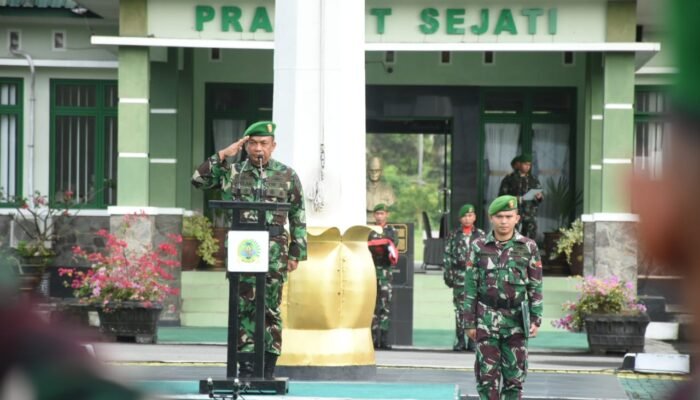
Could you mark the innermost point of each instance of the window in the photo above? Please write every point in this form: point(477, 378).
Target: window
point(84, 141)
point(14, 40)
point(58, 41)
point(10, 138)
point(650, 127)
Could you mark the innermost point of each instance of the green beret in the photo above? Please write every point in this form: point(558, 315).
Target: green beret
point(525, 158)
point(503, 203)
point(685, 26)
point(515, 160)
point(467, 208)
point(380, 207)
point(261, 128)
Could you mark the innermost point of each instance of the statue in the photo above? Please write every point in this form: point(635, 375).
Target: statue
point(377, 191)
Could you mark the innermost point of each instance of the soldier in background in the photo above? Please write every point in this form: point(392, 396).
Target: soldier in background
point(518, 184)
point(381, 255)
point(455, 260)
point(260, 178)
point(503, 306)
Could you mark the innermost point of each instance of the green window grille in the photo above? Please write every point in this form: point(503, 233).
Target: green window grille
point(84, 141)
point(650, 127)
point(10, 139)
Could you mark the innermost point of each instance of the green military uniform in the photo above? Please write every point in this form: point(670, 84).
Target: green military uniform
point(276, 183)
point(517, 185)
point(501, 278)
point(382, 266)
point(455, 262)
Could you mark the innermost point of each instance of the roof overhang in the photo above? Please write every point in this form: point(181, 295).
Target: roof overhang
point(172, 42)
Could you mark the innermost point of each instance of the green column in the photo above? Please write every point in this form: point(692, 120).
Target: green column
point(134, 77)
point(594, 164)
point(163, 131)
point(618, 130)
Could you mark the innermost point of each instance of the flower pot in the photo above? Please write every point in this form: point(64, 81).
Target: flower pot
point(576, 265)
point(220, 234)
point(616, 333)
point(130, 320)
point(31, 275)
point(190, 258)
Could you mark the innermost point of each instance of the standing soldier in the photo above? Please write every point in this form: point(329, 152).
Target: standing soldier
point(456, 249)
point(517, 184)
point(260, 178)
point(503, 305)
point(381, 255)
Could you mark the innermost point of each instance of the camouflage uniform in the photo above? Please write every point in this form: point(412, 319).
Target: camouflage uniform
point(279, 183)
point(499, 277)
point(455, 262)
point(515, 185)
point(382, 265)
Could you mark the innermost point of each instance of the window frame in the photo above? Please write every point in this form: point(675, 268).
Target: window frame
point(17, 110)
point(100, 112)
point(647, 117)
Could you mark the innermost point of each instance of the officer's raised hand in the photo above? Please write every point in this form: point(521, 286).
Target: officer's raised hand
point(233, 149)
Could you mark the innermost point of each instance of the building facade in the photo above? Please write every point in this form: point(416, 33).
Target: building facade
point(129, 96)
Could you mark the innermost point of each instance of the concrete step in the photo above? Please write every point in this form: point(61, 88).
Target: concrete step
point(213, 319)
point(195, 305)
point(199, 277)
point(205, 291)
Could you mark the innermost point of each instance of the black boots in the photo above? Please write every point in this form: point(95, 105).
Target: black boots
point(460, 345)
point(246, 369)
point(384, 341)
point(270, 362)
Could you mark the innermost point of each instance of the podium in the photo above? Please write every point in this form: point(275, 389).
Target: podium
point(249, 255)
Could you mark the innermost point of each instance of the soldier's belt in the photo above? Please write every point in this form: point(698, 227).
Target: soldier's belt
point(500, 303)
point(275, 230)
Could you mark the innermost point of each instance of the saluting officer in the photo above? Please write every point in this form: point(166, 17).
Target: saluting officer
point(260, 178)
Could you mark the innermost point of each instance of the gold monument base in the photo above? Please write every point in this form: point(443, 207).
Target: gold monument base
point(327, 309)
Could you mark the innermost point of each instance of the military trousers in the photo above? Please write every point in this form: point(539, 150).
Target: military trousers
point(273, 315)
point(528, 227)
point(501, 356)
point(382, 307)
point(459, 295)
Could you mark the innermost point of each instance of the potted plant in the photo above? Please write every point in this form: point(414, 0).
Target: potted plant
point(570, 245)
point(126, 285)
point(198, 242)
point(36, 219)
point(610, 312)
point(564, 200)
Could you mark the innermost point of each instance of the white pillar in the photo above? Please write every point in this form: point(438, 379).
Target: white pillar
point(319, 96)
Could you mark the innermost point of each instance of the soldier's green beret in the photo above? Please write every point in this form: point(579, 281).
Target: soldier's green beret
point(685, 26)
point(515, 160)
point(467, 208)
point(261, 128)
point(503, 203)
point(525, 158)
point(380, 207)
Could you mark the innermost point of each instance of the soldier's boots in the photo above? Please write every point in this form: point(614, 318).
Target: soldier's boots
point(245, 370)
point(384, 341)
point(270, 363)
point(460, 345)
point(471, 345)
point(375, 339)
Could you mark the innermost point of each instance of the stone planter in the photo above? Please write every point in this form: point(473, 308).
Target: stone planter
point(130, 320)
point(616, 333)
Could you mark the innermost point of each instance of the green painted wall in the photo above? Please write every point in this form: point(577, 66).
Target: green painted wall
point(36, 40)
point(185, 133)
